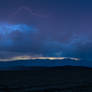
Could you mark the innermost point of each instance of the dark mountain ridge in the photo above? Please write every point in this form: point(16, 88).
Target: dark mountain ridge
point(39, 63)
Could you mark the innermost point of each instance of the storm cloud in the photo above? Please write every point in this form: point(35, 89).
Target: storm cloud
point(22, 39)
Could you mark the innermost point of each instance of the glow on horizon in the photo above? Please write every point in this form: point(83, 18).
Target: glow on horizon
point(42, 58)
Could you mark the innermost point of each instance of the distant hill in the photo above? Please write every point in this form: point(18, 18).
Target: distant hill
point(27, 64)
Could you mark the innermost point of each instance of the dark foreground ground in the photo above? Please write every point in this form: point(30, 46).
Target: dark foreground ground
point(57, 79)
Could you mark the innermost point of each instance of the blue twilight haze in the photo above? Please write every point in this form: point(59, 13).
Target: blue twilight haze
point(65, 32)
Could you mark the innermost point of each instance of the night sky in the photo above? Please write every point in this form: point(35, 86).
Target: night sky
point(48, 28)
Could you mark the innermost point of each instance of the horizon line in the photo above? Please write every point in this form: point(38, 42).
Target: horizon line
point(35, 58)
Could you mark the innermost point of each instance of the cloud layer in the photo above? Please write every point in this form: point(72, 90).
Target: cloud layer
point(25, 40)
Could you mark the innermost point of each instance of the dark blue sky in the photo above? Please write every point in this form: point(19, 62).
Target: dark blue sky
point(46, 28)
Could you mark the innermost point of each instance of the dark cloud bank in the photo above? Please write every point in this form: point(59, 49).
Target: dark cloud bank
point(22, 39)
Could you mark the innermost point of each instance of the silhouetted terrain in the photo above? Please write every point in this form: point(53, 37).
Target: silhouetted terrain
point(27, 64)
point(42, 79)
